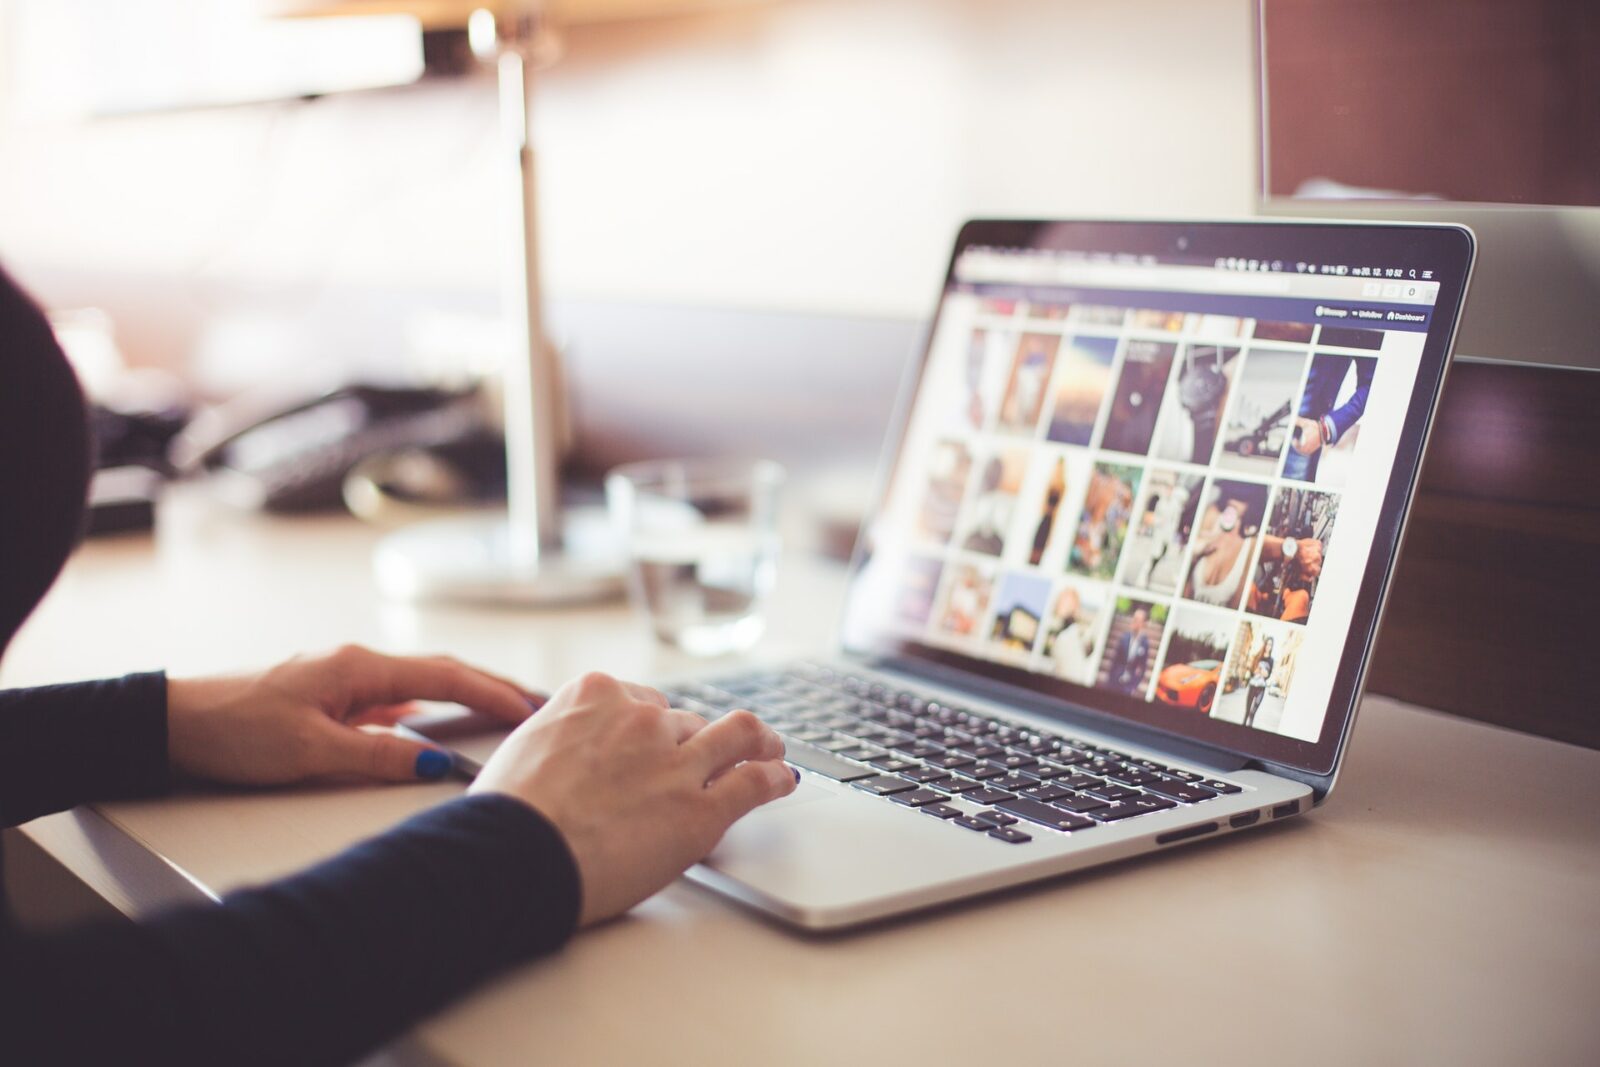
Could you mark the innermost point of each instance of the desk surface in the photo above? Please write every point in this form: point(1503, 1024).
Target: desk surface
point(1444, 905)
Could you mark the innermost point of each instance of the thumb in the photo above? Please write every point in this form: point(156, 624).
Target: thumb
point(384, 756)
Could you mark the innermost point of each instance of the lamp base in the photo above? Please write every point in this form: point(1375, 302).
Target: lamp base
point(469, 560)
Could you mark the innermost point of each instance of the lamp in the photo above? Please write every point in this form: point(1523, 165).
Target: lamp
point(535, 554)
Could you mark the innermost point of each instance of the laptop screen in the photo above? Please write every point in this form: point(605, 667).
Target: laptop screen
point(1154, 480)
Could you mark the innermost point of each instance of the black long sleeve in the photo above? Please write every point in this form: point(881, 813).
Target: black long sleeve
point(318, 968)
point(65, 745)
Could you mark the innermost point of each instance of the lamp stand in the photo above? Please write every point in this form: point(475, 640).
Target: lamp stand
point(535, 553)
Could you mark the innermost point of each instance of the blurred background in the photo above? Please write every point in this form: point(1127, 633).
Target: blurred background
point(219, 203)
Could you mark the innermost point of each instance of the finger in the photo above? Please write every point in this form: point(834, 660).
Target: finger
point(384, 714)
point(750, 785)
point(732, 739)
point(379, 755)
point(376, 679)
point(685, 724)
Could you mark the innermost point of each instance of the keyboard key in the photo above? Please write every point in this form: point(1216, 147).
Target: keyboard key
point(996, 818)
point(951, 761)
point(941, 811)
point(988, 796)
point(919, 749)
point(894, 764)
point(984, 771)
point(960, 785)
point(1133, 776)
point(1046, 815)
point(982, 751)
point(1010, 835)
point(860, 752)
point(1222, 787)
point(1187, 776)
point(1048, 771)
point(1045, 792)
point(918, 797)
point(1080, 781)
point(981, 825)
point(886, 785)
point(1112, 792)
point(1139, 805)
point(1081, 803)
point(927, 774)
point(1013, 761)
point(810, 758)
point(809, 733)
point(1016, 782)
point(1171, 787)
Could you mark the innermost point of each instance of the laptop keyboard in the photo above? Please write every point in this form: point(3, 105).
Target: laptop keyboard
point(947, 761)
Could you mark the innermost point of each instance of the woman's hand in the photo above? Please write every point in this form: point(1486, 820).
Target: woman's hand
point(639, 790)
point(300, 719)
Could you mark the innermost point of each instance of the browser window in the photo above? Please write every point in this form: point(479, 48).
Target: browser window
point(1153, 479)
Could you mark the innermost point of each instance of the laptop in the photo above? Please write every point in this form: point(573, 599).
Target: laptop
point(1135, 523)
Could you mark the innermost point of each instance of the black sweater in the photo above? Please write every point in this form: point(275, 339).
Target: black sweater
point(318, 968)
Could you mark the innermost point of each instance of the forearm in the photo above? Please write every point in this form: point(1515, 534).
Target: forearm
point(65, 745)
point(319, 968)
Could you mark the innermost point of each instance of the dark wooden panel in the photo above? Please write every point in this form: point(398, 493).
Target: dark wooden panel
point(1492, 611)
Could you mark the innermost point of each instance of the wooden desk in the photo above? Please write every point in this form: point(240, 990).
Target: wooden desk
point(1443, 907)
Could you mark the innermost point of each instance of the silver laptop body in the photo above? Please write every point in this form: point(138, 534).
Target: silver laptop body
point(1148, 386)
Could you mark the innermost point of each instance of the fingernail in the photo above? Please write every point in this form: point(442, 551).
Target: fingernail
point(796, 772)
point(432, 764)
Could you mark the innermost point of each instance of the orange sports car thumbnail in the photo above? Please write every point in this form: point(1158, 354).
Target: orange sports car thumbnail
point(1190, 685)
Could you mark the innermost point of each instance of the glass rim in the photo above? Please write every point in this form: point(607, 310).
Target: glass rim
point(697, 474)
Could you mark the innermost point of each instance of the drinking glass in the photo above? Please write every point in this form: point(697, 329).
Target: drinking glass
point(702, 543)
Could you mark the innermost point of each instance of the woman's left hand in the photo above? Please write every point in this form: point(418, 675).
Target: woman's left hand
point(301, 719)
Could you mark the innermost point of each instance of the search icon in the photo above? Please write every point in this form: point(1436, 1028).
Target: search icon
point(1413, 275)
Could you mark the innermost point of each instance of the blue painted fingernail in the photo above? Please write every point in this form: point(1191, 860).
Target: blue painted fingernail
point(432, 764)
point(796, 772)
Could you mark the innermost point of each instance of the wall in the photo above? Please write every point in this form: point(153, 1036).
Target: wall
point(809, 156)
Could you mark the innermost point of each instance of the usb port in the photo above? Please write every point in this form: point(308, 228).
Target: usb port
point(1243, 819)
point(1285, 809)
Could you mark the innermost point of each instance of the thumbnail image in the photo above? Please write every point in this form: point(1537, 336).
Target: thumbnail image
point(1030, 374)
point(1257, 674)
point(1131, 645)
point(1055, 490)
point(1216, 327)
point(1163, 321)
point(1299, 526)
point(1195, 403)
point(1231, 514)
point(1197, 646)
point(998, 305)
point(1146, 365)
point(1294, 332)
point(1258, 423)
point(918, 584)
point(948, 468)
point(1328, 419)
point(994, 503)
point(1069, 635)
point(981, 372)
point(1036, 310)
point(1098, 314)
point(1081, 388)
point(1019, 611)
point(1107, 506)
point(966, 599)
point(1164, 519)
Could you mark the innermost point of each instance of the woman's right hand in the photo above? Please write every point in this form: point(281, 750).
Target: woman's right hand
point(638, 789)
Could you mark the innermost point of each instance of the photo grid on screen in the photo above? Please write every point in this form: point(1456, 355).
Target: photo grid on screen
point(1138, 500)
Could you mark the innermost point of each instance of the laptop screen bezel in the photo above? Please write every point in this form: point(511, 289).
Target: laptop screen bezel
point(1445, 250)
